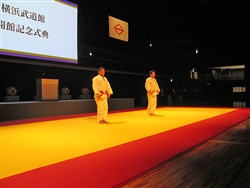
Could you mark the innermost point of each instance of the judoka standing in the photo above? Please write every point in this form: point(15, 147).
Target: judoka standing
point(153, 90)
point(102, 92)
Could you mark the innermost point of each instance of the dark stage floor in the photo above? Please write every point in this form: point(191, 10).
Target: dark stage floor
point(223, 161)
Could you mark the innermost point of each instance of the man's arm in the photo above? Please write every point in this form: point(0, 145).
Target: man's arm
point(147, 86)
point(95, 87)
point(109, 91)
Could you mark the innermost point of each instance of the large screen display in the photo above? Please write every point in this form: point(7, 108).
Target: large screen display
point(39, 29)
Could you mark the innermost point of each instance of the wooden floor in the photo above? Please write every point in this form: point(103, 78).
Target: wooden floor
point(223, 161)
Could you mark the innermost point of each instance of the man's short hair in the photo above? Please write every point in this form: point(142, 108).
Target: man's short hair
point(100, 68)
point(150, 72)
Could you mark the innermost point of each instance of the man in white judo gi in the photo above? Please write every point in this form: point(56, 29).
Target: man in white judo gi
point(102, 92)
point(153, 90)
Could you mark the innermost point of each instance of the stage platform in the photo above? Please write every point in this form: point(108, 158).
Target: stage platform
point(35, 109)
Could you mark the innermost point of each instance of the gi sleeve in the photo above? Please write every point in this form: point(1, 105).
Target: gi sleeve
point(108, 87)
point(95, 85)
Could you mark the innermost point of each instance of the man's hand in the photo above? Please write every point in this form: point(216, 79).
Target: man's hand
point(151, 91)
point(100, 94)
point(108, 95)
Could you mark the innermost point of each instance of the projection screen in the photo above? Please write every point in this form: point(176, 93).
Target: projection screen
point(39, 29)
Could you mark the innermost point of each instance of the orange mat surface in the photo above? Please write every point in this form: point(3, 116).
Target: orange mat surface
point(29, 146)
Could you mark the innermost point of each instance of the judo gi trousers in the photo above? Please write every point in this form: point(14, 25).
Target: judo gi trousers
point(152, 103)
point(102, 108)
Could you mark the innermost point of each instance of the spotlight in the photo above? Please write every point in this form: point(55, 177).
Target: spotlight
point(85, 91)
point(11, 94)
point(65, 94)
point(65, 91)
point(11, 91)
